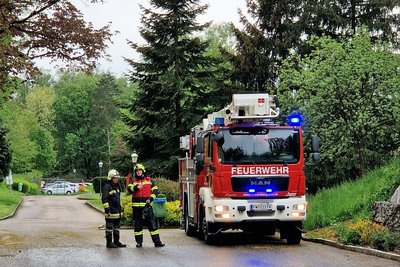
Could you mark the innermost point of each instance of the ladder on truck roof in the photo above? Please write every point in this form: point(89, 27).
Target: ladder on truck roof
point(247, 107)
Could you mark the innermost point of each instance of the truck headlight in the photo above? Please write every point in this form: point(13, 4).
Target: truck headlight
point(220, 208)
point(299, 207)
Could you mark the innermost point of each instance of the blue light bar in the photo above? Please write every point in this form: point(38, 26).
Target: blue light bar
point(252, 190)
point(219, 121)
point(269, 190)
point(295, 119)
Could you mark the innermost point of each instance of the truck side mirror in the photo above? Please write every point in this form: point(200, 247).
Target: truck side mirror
point(315, 143)
point(219, 138)
point(316, 156)
point(315, 147)
point(200, 145)
point(199, 163)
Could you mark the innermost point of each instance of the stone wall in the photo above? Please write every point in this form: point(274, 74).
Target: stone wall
point(387, 214)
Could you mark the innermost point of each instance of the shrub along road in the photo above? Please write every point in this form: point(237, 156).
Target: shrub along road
point(63, 231)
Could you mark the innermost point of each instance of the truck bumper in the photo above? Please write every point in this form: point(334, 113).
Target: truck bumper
point(226, 210)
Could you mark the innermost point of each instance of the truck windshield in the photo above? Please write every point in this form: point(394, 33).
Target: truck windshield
point(259, 145)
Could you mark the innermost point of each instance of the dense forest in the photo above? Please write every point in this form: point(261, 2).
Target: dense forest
point(337, 63)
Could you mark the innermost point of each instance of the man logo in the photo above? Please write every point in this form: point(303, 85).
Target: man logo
point(264, 182)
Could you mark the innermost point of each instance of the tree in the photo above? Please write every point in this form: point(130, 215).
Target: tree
point(39, 102)
point(46, 157)
point(5, 153)
point(171, 79)
point(20, 125)
point(278, 28)
point(349, 93)
point(75, 134)
point(84, 110)
point(267, 38)
point(32, 29)
point(42, 28)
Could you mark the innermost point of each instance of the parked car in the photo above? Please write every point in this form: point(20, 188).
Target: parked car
point(75, 187)
point(58, 189)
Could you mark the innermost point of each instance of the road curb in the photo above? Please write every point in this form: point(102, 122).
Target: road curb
point(93, 207)
point(14, 211)
point(364, 250)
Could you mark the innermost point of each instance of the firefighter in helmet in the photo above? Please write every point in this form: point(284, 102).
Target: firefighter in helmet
point(144, 191)
point(112, 209)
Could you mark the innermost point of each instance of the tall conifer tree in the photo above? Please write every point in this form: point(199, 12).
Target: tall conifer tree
point(171, 77)
point(277, 28)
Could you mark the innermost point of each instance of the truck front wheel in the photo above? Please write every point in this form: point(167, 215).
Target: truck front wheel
point(208, 232)
point(292, 232)
point(189, 230)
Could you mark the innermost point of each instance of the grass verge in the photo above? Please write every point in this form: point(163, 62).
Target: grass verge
point(9, 200)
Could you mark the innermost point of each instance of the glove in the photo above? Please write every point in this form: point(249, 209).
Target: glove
point(147, 205)
point(146, 212)
point(130, 187)
point(107, 211)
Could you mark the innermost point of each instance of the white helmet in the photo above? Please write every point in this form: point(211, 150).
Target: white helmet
point(112, 173)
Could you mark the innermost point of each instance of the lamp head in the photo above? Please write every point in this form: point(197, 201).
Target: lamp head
point(134, 157)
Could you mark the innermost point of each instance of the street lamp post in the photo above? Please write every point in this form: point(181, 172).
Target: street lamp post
point(134, 157)
point(100, 167)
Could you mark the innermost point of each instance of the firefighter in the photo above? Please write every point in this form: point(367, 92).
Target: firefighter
point(112, 209)
point(144, 191)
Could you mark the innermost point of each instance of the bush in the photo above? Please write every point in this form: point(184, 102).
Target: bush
point(392, 241)
point(126, 204)
point(366, 228)
point(168, 187)
point(348, 236)
point(173, 214)
point(27, 187)
point(378, 240)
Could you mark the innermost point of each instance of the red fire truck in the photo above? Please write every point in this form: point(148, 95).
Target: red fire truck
point(244, 171)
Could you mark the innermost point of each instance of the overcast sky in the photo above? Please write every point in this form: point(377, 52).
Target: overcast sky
point(125, 17)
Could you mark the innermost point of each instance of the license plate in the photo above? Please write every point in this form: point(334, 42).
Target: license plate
point(261, 206)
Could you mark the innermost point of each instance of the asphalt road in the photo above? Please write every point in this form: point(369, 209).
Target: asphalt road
point(63, 231)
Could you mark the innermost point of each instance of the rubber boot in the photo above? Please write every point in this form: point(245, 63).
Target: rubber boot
point(139, 240)
point(116, 240)
point(157, 242)
point(109, 243)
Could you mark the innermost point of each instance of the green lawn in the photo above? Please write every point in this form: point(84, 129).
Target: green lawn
point(9, 200)
point(352, 199)
point(93, 199)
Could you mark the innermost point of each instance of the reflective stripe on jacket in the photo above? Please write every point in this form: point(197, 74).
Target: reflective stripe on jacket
point(148, 191)
point(111, 200)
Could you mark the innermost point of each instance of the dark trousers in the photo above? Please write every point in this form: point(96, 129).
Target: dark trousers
point(150, 221)
point(112, 228)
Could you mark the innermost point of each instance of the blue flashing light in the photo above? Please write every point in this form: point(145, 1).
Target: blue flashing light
point(252, 190)
point(268, 190)
point(219, 121)
point(295, 119)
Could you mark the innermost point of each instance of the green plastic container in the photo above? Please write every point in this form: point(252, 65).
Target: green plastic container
point(159, 208)
point(20, 187)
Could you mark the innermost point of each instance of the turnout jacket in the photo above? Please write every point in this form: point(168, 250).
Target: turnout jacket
point(111, 200)
point(148, 190)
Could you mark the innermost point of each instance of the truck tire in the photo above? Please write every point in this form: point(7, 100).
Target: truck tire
point(189, 230)
point(294, 238)
point(292, 233)
point(208, 231)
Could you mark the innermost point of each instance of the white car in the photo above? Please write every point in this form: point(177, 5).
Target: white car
point(58, 189)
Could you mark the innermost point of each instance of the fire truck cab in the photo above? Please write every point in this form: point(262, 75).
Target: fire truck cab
point(243, 171)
